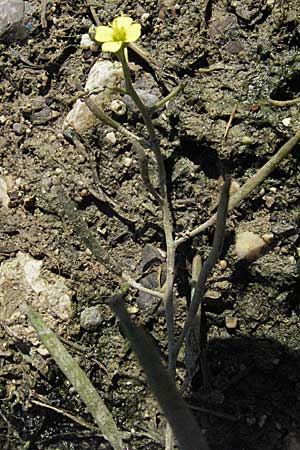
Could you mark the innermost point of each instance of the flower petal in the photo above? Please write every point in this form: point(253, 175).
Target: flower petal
point(133, 32)
point(122, 22)
point(112, 46)
point(103, 34)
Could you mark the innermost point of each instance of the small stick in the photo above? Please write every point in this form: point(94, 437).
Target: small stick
point(65, 413)
point(93, 12)
point(229, 123)
point(283, 103)
point(43, 13)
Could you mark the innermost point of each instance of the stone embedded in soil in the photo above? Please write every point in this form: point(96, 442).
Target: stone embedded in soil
point(103, 77)
point(4, 198)
point(248, 245)
point(23, 280)
point(231, 322)
point(91, 318)
point(13, 20)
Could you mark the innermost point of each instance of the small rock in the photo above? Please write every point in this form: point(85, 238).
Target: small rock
point(18, 128)
point(110, 138)
point(248, 245)
point(91, 318)
point(287, 121)
point(118, 107)
point(23, 280)
point(87, 44)
point(224, 285)
point(144, 18)
point(147, 97)
point(13, 20)
point(212, 295)
point(127, 161)
point(231, 322)
point(268, 237)
point(223, 264)
point(269, 201)
point(133, 309)
point(103, 76)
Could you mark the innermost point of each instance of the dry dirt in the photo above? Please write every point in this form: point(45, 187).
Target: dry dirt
point(251, 312)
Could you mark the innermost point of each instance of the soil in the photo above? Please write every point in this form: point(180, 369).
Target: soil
point(250, 378)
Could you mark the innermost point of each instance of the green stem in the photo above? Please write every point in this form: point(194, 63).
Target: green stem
point(165, 207)
point(168, 97)
point(162, 385)
point(247, 188)
point(148, 122)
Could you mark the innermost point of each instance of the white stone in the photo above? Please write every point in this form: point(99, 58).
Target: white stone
point(103, 77)
point(248, 245)
point(287, 121)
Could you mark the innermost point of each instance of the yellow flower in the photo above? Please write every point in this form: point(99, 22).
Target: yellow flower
point(123, 30)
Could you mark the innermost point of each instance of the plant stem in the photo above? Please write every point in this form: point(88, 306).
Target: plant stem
point(209, 263)
point(165, 207)
point(168, 97)
point(161, 382)
point(135, 140)
point(247, 187)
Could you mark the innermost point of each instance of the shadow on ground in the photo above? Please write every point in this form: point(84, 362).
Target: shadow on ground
point(257, 382)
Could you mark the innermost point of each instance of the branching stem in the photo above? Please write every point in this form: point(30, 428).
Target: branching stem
point(165, 207)
point(208, 265)
point(247, 188)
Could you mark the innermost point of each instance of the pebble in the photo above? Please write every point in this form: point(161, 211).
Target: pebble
point(87, 44)
point(144, 18)
point(18, 128)
point(110, 138)
point(248, 245)
point(127, 162)
point(91, 318)
point(13, 20)
point(231, 322)
point(118, 107)
point(287, 121)
point(268, 237)
point(224, 285)
point(212, 295)
point(269, 201)
point(147, 97)
point(223, 264)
